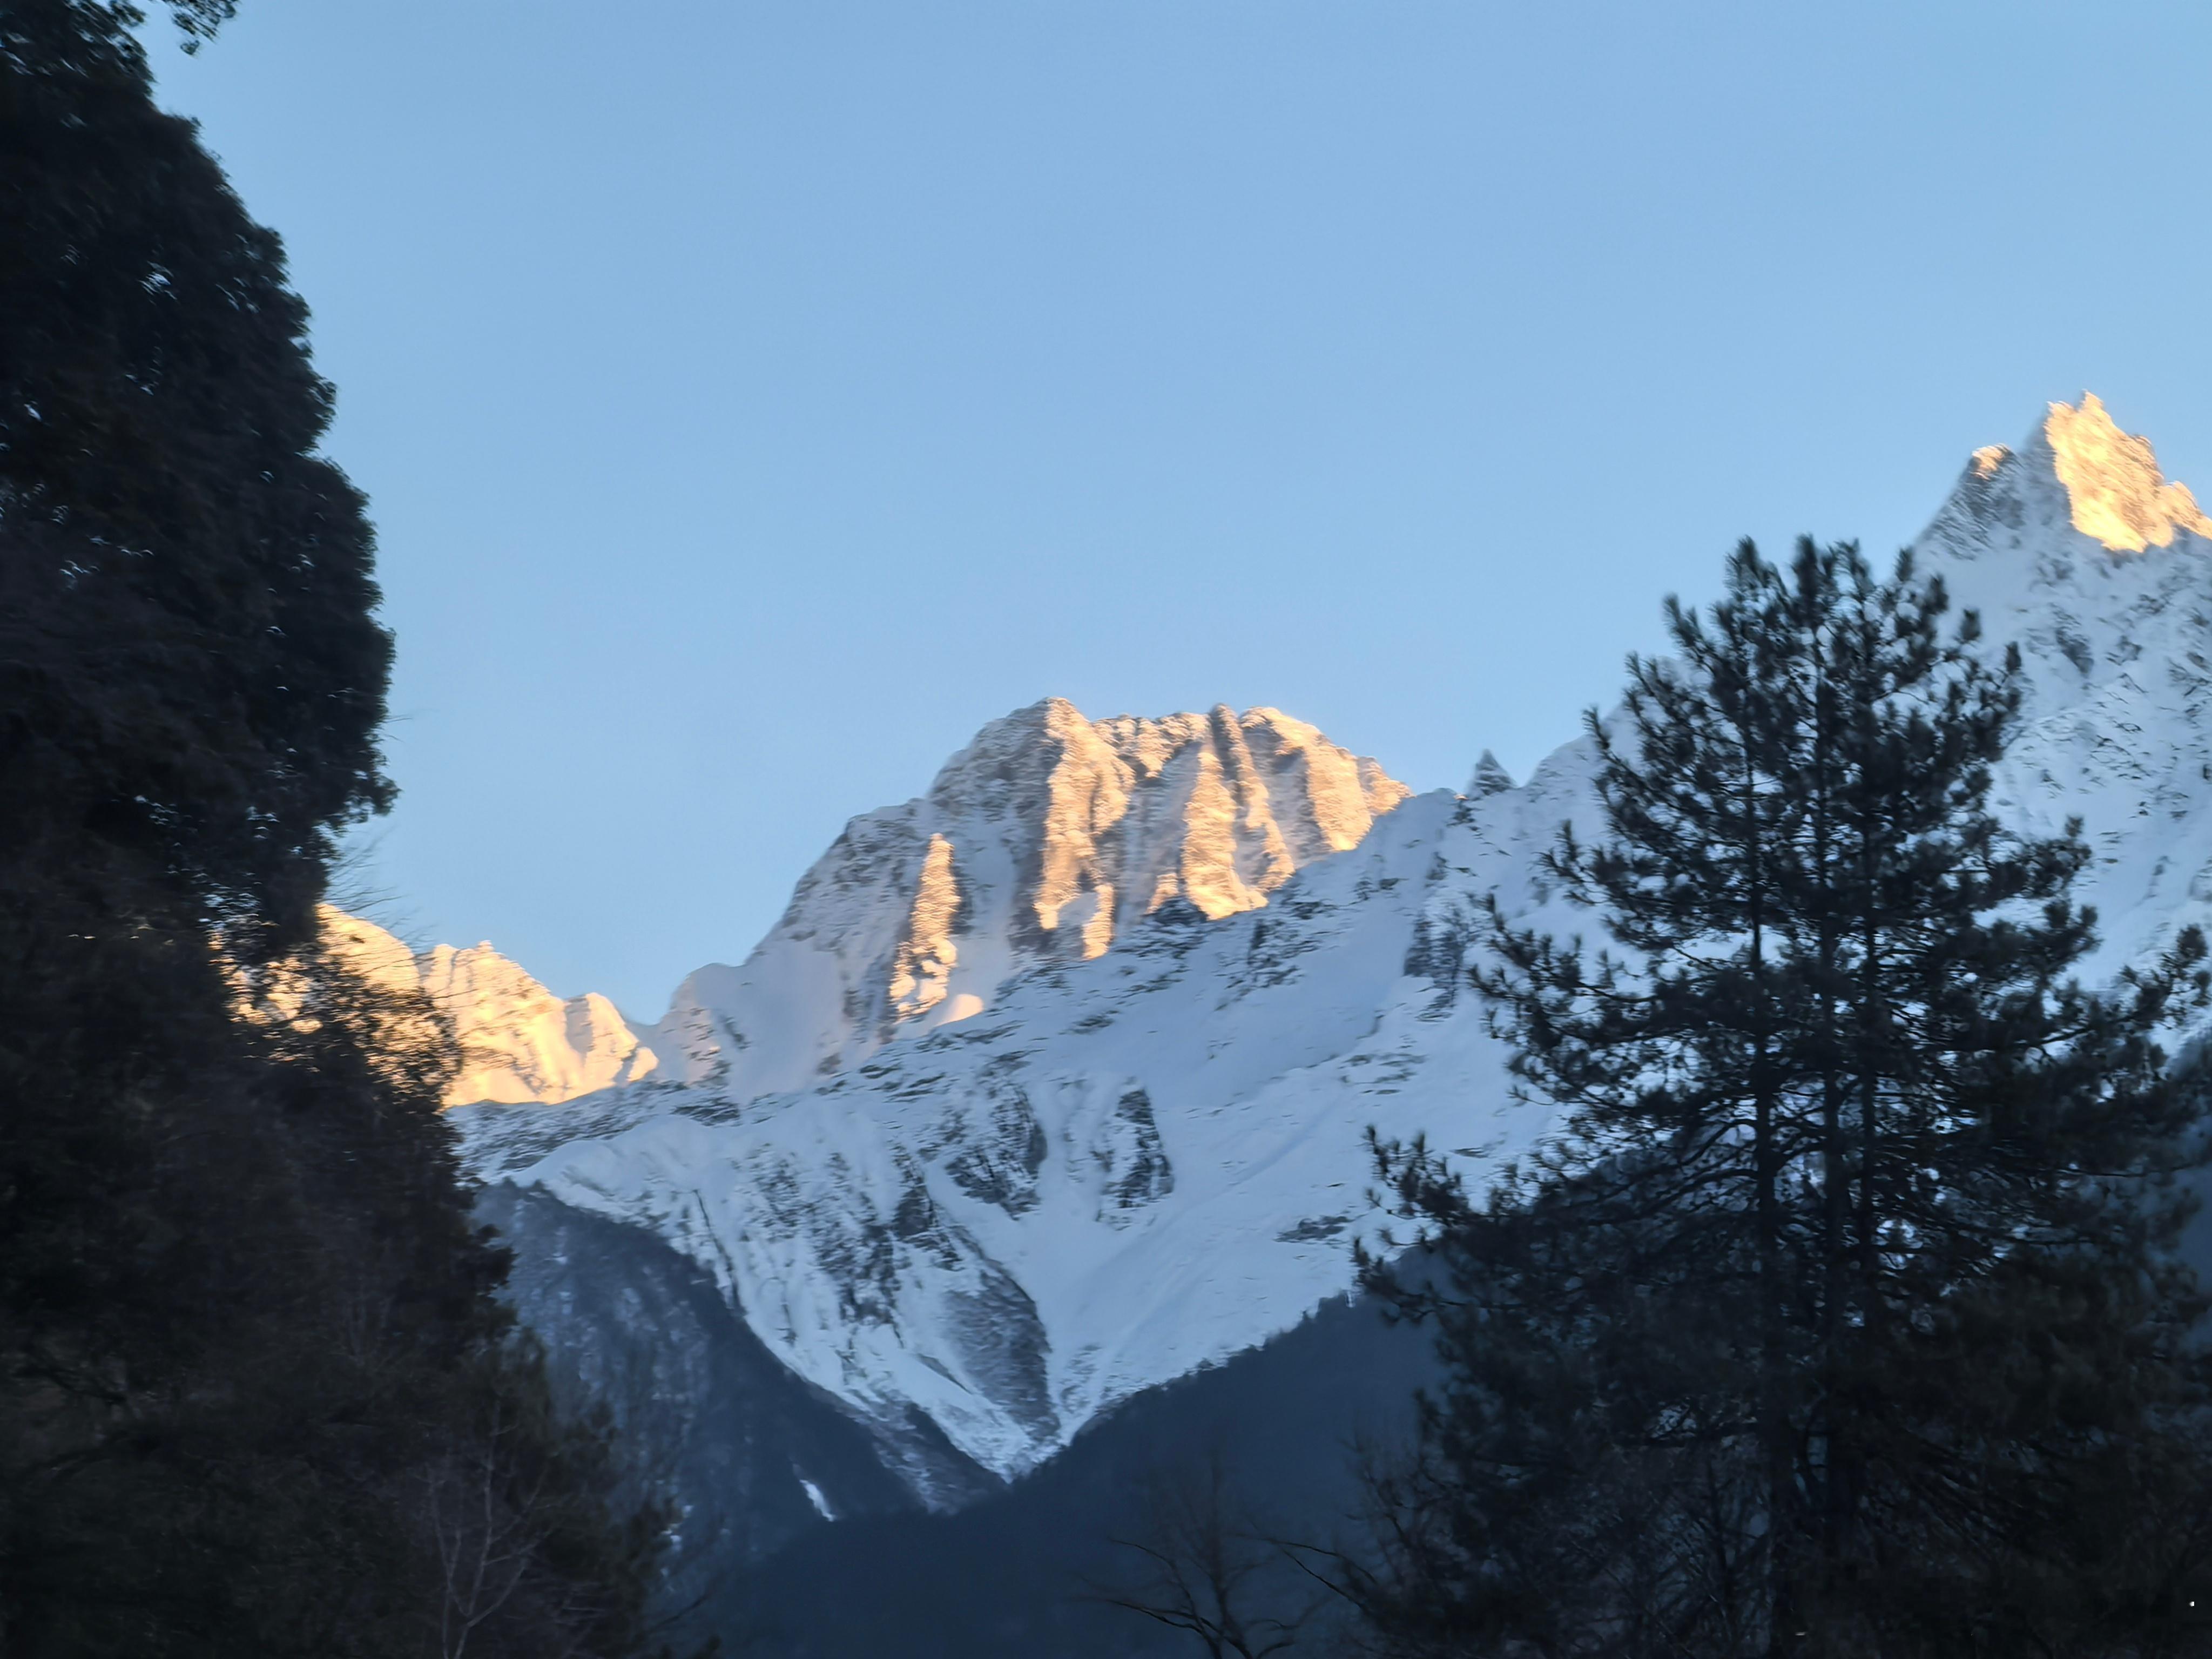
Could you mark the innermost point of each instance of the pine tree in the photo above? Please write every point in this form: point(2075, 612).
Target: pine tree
point(1847, 1291)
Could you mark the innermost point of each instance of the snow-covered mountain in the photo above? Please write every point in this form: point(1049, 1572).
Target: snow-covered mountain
point(1050, 1085)
point(518, 1041)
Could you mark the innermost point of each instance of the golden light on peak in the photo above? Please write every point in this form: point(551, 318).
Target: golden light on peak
point(2112, 481)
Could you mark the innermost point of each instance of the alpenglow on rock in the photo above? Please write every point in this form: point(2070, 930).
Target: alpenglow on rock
point(1041, 843)
point(2114, 490)
point(518, 1041)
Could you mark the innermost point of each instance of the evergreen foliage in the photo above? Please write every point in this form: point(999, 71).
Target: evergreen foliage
point(1843, 1315)
point(250, 1363)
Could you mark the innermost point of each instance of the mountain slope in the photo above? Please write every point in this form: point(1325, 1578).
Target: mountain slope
point(1007, 1578)
point(1133, 1166)
point(749, 1455)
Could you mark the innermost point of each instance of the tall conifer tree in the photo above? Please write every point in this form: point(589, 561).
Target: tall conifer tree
point(255, 1395)
point(1848, 1289)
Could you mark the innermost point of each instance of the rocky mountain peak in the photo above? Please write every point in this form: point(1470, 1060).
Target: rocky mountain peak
point(2113, 485)
point(1045, 841)
point(1488, 778)
point(519, 1041)
point(2077, 471)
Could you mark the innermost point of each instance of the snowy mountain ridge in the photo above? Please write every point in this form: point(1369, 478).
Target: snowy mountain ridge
point(1044, 841)
point(1137, 1150)
point(519, 1042)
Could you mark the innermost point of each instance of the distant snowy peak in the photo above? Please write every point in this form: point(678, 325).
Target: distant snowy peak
point(519, 1042)
point(1489, 778)
point(2076, 550)
point(2077, 471)
point(1041, 843)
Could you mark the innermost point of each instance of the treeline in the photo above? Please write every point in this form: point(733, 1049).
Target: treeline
point(257, 1395)
point(1845, 1315)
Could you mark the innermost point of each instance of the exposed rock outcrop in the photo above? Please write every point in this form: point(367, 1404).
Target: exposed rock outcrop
point(2114, 487)
point(1044, 842)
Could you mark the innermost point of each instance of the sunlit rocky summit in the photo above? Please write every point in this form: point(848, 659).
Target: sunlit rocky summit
point(1050, 1085)
point(1043, 843)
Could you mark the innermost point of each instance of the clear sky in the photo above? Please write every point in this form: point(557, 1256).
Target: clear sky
point(755, 399)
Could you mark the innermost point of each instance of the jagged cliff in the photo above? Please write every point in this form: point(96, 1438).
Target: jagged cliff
point(1043, 843)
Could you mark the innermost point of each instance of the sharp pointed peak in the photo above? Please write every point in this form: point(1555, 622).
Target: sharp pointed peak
point(2077, 469)
point(1489, 778)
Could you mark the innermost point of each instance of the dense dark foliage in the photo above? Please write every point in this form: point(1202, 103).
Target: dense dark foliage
point(1034, 1569)
point(255, 1395)
point(1844, 1318)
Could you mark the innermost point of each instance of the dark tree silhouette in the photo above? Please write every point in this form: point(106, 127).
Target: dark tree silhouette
point(1204, 1567)
point(244, 1313)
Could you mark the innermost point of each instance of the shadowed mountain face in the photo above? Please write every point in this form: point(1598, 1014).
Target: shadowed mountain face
point(750, 1455)
point(758, 1463)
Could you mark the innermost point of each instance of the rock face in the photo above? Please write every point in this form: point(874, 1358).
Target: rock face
point(1043, 843)
point(2113, 487)
point(1051, 1085)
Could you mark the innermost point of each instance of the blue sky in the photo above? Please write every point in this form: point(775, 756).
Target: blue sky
point(755, 399)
